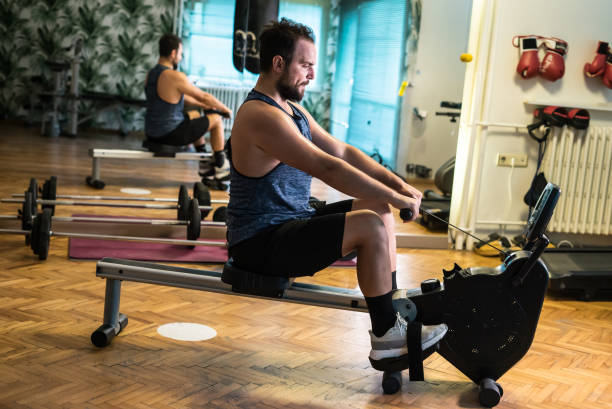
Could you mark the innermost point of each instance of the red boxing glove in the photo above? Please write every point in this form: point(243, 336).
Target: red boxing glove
point(598, 66)
point(553, 66)
point(529, 63)
point(607, 77)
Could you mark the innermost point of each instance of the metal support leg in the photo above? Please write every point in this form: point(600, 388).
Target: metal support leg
point(114, 321)
point(94, 179)
point(95, 169)
point(111, 302)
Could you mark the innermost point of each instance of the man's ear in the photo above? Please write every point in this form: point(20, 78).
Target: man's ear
point(278, 64)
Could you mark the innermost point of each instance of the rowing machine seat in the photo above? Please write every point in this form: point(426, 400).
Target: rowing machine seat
point(247, 282)
point(161, 150)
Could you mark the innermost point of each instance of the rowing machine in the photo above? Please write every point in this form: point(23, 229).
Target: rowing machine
point(491, 313)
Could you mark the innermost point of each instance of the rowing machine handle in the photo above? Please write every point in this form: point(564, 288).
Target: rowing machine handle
point(216, 111)
point(406, 214)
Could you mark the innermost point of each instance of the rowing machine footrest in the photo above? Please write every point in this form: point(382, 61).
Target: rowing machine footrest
point(161, 150)
point(246, 282)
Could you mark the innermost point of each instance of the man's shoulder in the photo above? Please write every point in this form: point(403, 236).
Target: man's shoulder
point(172, 75)
point(254, 108)
point(258, 117)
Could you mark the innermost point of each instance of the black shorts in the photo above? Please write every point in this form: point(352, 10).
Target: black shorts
point(188, 131)
point(295, 248)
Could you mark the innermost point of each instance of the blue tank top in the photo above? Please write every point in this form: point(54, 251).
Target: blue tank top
point(279, 196)
point(161, 117)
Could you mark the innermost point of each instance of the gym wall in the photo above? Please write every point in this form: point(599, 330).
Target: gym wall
point(120, 46)
point(495, 93)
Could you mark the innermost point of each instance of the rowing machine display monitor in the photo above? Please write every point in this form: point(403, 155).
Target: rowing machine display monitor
point(543, 211)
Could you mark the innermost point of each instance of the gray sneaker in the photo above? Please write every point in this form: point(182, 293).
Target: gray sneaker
point(207, 168)
point(222, 172)
point(393, 343)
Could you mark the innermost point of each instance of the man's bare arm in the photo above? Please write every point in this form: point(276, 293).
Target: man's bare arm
point(201, 98)
point(358, 159)
point(192, 102)
point(276, 135)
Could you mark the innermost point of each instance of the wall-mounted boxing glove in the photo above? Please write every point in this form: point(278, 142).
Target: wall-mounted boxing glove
point(553, 66)
point(598, 66)
point(529, 63)
point(607, 76)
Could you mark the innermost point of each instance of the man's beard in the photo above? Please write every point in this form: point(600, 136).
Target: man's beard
point(286, 91)
point(174, 65)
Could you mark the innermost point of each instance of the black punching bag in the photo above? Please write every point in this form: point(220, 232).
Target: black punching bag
point(241, 16)
point(261, 12)
point(249, 19)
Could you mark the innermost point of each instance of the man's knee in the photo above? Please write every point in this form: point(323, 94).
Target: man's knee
point(366, 226)
point(193, 114)
point(375, 205)
point(215, 121)
point(383, 209)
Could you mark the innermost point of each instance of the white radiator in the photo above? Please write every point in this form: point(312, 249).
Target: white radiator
point(579, 162)
point(232, 97)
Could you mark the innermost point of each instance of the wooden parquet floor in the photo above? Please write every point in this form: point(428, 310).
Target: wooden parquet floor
point(267, 354)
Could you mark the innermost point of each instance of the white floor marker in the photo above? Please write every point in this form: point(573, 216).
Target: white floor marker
point(135, 191)
point(186, 331)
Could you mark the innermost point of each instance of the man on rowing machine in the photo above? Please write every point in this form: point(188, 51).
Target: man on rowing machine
point(168, 91)
point(275, 149)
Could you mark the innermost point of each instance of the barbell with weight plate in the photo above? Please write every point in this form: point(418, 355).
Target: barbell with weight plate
point(200, 192)
point(181, 206)
point(193, 219)
point(25, 214)
point(41, 232)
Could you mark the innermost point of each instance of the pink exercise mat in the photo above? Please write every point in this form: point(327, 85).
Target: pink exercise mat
point(94, 249)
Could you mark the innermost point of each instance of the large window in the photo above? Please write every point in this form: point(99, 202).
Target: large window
point(365, 102)
point(208, 33)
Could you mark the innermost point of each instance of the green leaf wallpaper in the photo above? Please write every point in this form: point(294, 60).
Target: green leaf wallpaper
point(119, 47)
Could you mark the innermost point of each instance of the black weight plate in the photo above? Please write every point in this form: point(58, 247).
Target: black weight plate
point(44, 234)
point(202, 193)
point(182, 212)
point(50, 188)
point(26, 215)
point(34, 234)
point(26, 210)
point(34, 189)
point(50, 192)
point(194, 221)
point(220, 214)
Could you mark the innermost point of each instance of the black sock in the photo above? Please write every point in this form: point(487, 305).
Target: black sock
point(381, 312)
point(200, 148)
point(219, 158)
point(394, 280)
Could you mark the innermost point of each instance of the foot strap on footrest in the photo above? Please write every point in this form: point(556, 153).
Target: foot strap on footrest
point(413, 360)
point(415, 351)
